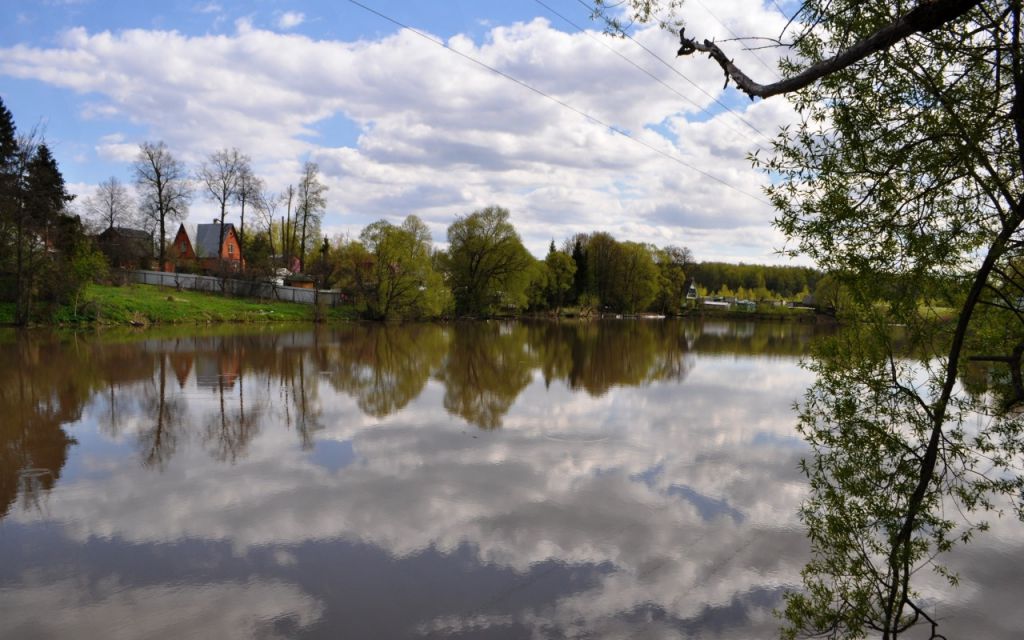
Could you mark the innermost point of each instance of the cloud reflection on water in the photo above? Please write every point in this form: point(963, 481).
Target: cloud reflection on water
point(649, 493)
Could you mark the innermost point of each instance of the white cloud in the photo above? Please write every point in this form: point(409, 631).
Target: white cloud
point(439, 136)
point(290, 19)
point(113, 610)
point(114, 147)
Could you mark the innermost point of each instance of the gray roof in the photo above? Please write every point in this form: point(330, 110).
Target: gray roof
point(208, 239)
point(126, 232)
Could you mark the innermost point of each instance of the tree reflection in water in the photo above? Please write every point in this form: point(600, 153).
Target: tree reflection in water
point(158, 442)
point(33, 446)
point(486, 368)
point(385, 367)
point(266, 379)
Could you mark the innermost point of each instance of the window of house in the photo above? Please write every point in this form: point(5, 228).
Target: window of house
point(231, 249)
point(183, 247)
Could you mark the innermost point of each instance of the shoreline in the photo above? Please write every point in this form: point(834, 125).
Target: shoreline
point(140, 306)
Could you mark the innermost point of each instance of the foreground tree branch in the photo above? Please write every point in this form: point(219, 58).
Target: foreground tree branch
point(926, 16)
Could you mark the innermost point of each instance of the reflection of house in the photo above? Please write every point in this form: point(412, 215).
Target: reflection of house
point(217, 370)
point(127, 248)
point(210, 251)
point(182, 365)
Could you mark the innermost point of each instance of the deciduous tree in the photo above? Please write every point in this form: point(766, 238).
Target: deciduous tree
point(221, 176)
point(905, 172)
point(250, 186)
point(486, 263)
point(112, 205)
point(561, 272)
point(403, 282)
point(164, 189)
point(310, 207)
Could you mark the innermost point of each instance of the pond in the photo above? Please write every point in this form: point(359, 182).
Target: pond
point(619, 479)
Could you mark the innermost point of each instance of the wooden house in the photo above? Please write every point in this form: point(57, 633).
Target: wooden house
point(203, 253)
point(126, 248)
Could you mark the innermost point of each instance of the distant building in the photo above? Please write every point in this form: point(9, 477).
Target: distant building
point(126, 248)
point(204, 254)
point(690, 287)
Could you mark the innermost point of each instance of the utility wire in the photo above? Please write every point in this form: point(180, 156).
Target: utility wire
point(681, 75)
point(561, 103)
point(641, 69)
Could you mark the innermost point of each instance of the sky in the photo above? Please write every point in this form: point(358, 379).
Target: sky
point(407, 121)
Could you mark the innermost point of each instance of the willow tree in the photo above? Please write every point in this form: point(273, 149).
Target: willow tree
point(403, 282)
point(904, 173)
point(487, 264)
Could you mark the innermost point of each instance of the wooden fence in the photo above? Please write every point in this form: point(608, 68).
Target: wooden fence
point(242, 288)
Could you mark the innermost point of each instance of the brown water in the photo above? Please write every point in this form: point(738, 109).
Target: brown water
point(629, 479)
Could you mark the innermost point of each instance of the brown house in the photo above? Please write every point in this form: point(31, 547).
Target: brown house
point(126, 248)
point(204, 253)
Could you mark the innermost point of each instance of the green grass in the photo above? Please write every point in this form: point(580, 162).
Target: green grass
point(147, 304)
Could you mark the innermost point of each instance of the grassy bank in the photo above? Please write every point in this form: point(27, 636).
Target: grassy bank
point(148, 305)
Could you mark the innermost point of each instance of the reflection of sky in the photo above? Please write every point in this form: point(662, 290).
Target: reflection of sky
point(332, 455)
point(665, 510)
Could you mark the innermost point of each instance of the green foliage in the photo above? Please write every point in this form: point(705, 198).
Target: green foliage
point(401, 281)
point(635, 277)
point(487, 265)
point(561, 273)
point(765, 281)
point(904, 175)
point(87, 264)
point(832, 295)
point(352, 269)
point(671, 263)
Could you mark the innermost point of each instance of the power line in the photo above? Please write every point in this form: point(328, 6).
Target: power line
point(557, 101)
point(631, 62)
point(681, 75)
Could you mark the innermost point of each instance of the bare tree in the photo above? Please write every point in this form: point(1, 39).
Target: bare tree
point(310, 208)
point(164, 188)
point(267, 203)
point(287, 237)
point(249, 188)
point(221, 174)
point(112, 205)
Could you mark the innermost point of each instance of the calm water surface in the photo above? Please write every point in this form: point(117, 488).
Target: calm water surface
point(630, 479)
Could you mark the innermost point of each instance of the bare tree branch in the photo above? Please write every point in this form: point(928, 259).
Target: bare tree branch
point(926, 16)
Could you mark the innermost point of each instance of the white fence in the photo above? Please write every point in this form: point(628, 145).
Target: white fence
point(246, 288)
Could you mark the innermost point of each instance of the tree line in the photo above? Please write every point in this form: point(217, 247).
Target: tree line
point(393, 271)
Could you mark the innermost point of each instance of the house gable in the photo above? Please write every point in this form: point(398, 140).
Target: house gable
point(182, 247)
point(214, 253)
